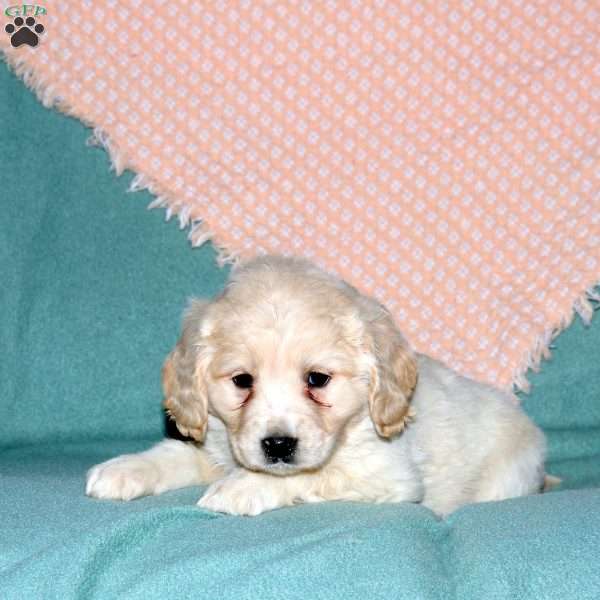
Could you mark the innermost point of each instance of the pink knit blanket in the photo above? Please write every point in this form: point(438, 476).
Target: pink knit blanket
point(442, 156)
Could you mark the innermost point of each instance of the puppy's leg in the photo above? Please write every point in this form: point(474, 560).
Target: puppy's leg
point(516, 473)
point(518, 468)
point(169, 465)
point(250, 493)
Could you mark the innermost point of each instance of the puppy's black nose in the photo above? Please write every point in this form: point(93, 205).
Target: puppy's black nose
point(279, 448)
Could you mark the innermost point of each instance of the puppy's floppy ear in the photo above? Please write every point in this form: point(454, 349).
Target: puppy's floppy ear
point(393, 377)
point(183, 379)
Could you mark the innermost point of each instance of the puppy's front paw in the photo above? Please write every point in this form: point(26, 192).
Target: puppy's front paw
point(123, 478)
point(244, 493)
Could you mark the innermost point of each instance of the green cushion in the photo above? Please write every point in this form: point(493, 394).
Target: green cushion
point(565, 401)
point(92, 294)
point(59, 544)
point(93, 284)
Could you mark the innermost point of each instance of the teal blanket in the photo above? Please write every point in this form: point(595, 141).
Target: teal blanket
point(92, 291)
point(59, 544)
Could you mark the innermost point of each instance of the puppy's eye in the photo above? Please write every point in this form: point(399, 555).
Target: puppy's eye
point(243, 381)
point(317, 380)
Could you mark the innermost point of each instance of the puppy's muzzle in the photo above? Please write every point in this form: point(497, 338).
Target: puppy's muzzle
point(278, 449)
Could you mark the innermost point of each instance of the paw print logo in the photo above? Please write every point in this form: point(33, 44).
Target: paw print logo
point(24, 32)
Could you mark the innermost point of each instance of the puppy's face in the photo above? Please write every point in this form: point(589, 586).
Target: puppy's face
point(288, 358)
point(286, 381)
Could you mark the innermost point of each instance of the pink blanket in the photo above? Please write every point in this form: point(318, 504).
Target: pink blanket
point(442, 156)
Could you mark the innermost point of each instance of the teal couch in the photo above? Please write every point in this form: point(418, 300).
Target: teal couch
point(92, 291)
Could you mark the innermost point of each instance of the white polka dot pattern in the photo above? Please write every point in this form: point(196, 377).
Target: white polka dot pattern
point(442, 156)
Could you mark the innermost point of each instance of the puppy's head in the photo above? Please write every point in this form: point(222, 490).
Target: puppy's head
point(288, 358)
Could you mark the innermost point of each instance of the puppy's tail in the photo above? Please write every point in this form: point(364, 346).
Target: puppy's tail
point(550, 482)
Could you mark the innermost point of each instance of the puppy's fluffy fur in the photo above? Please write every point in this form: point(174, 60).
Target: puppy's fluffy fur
point(377, 423)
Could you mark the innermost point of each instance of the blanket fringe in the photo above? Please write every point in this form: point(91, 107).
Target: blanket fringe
point(199, 232)
point(584, 306)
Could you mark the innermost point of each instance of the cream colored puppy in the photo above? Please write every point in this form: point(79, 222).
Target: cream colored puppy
point(297, 388)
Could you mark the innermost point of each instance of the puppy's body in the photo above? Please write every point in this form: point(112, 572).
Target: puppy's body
point(279, 322)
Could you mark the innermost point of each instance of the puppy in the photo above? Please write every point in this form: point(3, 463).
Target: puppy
point(297, 388)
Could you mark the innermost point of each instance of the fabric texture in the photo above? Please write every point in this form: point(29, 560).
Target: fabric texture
point(56, 543)
point(443, 157)
point(93, 288)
